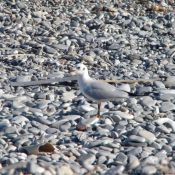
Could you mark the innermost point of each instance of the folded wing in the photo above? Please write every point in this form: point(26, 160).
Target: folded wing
point(103, 91)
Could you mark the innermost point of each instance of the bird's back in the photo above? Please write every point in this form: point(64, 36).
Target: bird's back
point(100, 91)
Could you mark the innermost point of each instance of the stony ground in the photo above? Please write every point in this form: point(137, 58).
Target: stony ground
point(50, 129)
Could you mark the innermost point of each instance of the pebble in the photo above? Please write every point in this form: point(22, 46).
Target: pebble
point(167, 106)
point(136, 151)
point(134, 138)
point(86, 160)
point(16, 104)
point(152, 160)
point(147, 135)
point(89, 121)
point(116, 170)
point(87, 58)
point(80, 127)
point(49, 50)
point(68, 96)
point(85, 108)
point(163, 129)
point(149, 169)
point(34, 168)
point(123, 115)
point(148, 102)
point(22, 78)
point(143, 90)
point(101, 160)
point(58, 123)
point(166, 120)
point(161, 155)
point(156, 145)
point(4, 126)
point(121, 158)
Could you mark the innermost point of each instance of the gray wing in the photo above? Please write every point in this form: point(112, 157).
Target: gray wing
point(102, 91)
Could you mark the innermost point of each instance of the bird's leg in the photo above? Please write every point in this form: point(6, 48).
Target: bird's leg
point(98, 114)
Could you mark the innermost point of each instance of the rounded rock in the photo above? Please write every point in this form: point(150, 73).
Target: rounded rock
point(147, 135)
point(149, 169)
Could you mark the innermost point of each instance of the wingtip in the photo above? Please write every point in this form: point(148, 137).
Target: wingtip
point(139, 95)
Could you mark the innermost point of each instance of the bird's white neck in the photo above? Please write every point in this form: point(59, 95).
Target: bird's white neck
point(82, 78)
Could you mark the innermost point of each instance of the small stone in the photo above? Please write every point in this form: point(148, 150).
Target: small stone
point(123, 115)
point(101, 160)
point(17, 104)
point(116, 170)
point(95, 143)
point(68, 96)
point(4, 125)
point(144, 154)
point(116, 118)
point(87, 58)
point(85, 108)
point(161, 155)
point(80, 127)
point(167, 106)
point(86, 160)
point(147, 135)
point(89, 121)
point(156, 145)
point(148, 102)
point(50, 50)
point(34, 168)
point(114, 135)
point(149, 169)
point(161, 121)
point(57, 124)
point(134, 164)
point(152, 160)
point(22, 78)
point(108, 121)
point(134, 138)
point(136, 151)
point(162, 129)
point(167, 148)
point(121, 157)
point(143, 90)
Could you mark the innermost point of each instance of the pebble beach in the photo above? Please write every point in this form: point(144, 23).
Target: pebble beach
point(50, 128)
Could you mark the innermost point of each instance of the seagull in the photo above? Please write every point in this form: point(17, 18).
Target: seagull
point(98, 91)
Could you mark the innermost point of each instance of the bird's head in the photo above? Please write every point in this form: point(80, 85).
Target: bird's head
point(80, 69)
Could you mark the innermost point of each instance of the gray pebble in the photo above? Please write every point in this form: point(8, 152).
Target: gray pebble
point(4, 126)
point(156, 145)
point(149, 169)
point(57, 124)
point(162, 129)
point(134, 138)
point(89, 121)
point(22, 78)
point(121, 157)
point(143, 90)
point(86, 160)
point(50, 50)
point(34, 168)
point(101, 160)
point(116, 170)
point(161, 155)
point(147, 135)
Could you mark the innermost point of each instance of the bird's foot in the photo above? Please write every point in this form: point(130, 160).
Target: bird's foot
point(96, 116)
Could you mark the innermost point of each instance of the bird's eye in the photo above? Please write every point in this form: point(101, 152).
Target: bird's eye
point(78, 67)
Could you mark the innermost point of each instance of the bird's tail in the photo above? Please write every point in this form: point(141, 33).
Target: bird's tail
point(139, 95)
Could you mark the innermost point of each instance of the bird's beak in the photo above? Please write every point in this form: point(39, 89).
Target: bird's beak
point(72, 70)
